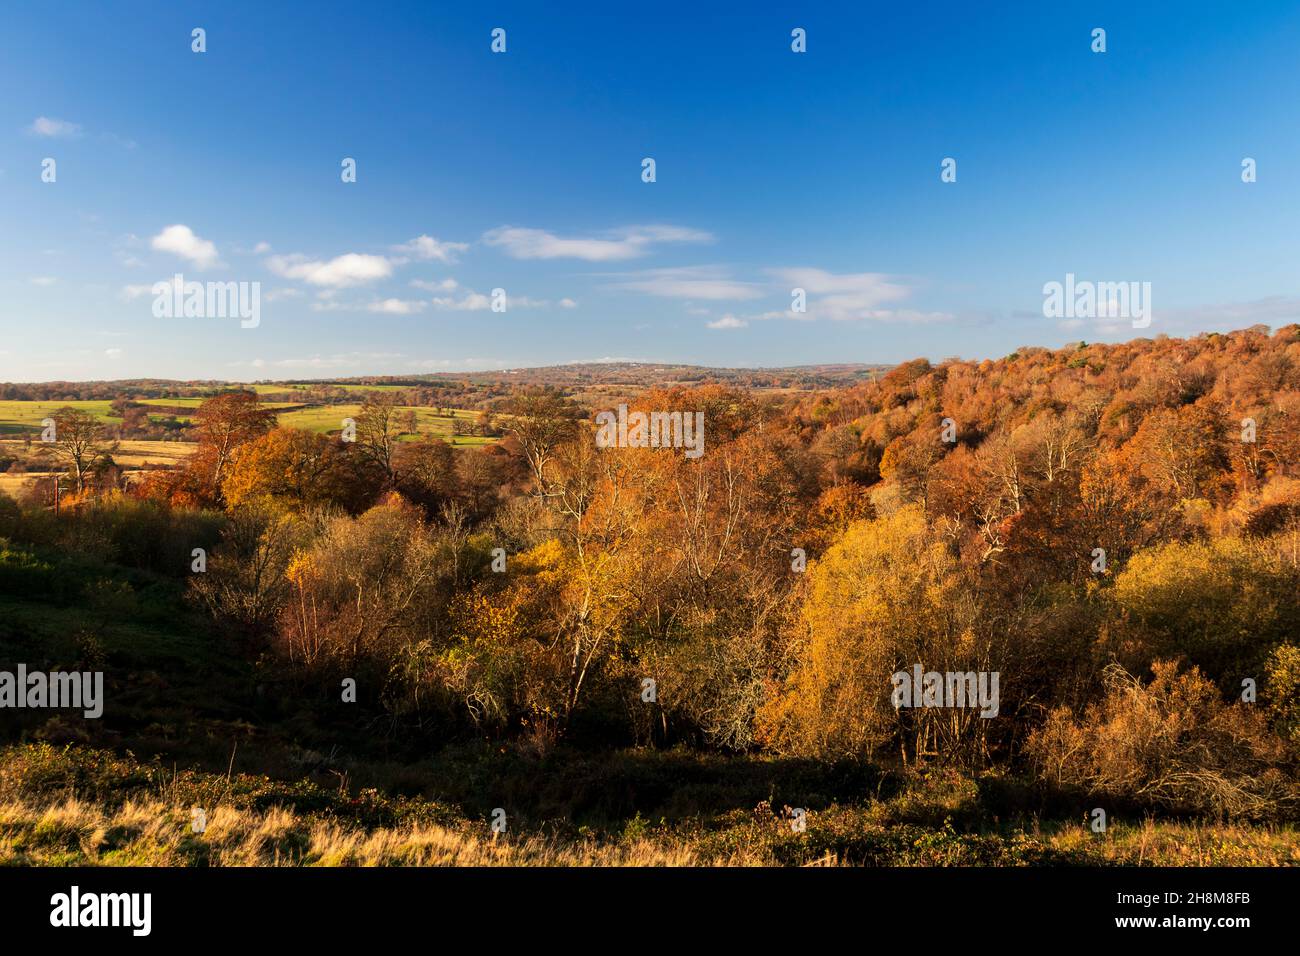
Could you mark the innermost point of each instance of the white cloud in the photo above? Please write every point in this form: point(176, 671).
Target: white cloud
point(629, 242)
point(395, 306)
point(445, 285)
point(430, 249)
point(136, 291)
point(45, 126)
point(261, 249)
point(114, 353)
point(689, 282)
point(43, 280)
point(567, 303)
point(340, 272)
point(470, 302)
point(728, 321)
point(180, 240)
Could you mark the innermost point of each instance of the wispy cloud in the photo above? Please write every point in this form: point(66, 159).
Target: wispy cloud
point(688, 282)
point(628, 242)
point(470, 302)
point(130, 292)
point(54, 128)
point(728, 321)
point(466, 363)
point(441, 285)
point(473, 301)
point(430, 249)
point(276, 295)
point(1274, 310)
point(850, 297)
point(338, 360)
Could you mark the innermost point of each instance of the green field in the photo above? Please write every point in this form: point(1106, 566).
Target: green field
point(17, 417)
point(325, 419)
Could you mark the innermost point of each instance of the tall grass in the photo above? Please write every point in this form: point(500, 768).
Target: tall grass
point(152, 833)
point(149, 832)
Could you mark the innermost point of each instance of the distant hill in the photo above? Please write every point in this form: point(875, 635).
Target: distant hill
point(577, 375)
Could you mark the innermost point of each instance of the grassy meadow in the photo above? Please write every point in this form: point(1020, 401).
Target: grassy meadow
point(20, 417)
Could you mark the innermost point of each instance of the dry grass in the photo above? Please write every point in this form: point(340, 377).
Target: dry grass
point(1154, 843)
point(137, 453)
point(152, 833)
point(13, 485)
point(130, 453)
point(72, 832)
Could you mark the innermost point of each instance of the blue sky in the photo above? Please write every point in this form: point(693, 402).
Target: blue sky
point(522, 171)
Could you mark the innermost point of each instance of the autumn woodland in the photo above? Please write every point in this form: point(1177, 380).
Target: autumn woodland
point(443, 623)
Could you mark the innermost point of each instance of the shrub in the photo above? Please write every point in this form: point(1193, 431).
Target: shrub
point(1171, 744)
